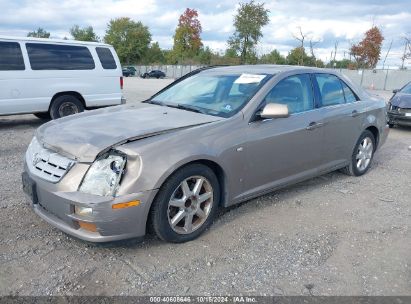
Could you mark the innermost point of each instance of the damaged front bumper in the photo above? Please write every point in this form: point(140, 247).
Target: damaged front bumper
point(400, 118)
point(56, 204)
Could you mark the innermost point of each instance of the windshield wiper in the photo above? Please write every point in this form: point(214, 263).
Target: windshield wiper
point(178, 106)
point(155, 102)
point(191, 108)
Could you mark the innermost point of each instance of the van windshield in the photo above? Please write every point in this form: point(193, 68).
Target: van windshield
point(212, 94)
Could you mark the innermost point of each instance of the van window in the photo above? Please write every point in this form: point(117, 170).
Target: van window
point(106, 58)
point(59, 57)
point(11, 58)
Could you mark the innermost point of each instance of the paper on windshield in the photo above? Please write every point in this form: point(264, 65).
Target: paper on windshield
point(249, 78)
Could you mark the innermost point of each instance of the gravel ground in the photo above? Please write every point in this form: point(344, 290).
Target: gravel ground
point(331, 235)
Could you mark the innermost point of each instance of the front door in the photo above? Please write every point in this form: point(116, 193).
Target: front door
point(284, 150)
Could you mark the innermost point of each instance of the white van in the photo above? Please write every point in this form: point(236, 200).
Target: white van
point(56, 78)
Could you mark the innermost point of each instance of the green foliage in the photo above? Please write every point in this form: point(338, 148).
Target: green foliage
point(205, 55)
point(130, 39)
point(298, 56)
point(154, 55)
point(187, 40)
point(250, 19)
point(341, 64)
point(83, 34)
point(39, 33)
point(272, 58)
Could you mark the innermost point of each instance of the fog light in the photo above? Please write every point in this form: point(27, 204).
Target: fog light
point(88, 226)
point(83, 210)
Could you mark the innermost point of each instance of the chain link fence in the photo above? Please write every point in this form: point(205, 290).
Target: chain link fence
point(387, 80)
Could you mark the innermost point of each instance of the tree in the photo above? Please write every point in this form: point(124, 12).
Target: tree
point(205, 55)
point(367, 52)
point(83, 34)
point(154, 54)
point(297, 56)
point(301, 38)
point(407, 50)
point(39, 33)
point(274, 58)
point(187, 40)
point(250, 19)
point(130, 39)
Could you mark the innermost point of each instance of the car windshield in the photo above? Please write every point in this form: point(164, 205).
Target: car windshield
point(406, 89)
point(208, 93)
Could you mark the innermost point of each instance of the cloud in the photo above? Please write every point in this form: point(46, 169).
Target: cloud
point(322, 21)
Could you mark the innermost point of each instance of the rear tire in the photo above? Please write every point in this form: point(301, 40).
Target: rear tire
point(186, 204)
point(390, 125)
point(65, 105)
point(362, 155)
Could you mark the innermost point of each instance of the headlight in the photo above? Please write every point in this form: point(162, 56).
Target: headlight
point(83, 210)
point(104, 175)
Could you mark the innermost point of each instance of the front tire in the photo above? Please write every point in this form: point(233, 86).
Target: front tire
point(186, 204)
point(65, 105)
point(362, 156)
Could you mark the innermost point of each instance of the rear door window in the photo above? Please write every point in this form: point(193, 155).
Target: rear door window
point(331, 90)
point(11, 58)
point(44, 56)
point(106, 58)
point(348, 93)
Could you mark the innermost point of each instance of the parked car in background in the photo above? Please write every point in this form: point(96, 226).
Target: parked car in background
point(55, 78)
point(126, 72)
point(154, 74)
point(215, 137)
point(132, 70)
point(399, 107)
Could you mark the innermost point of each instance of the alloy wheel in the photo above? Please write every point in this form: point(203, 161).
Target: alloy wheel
point(364, 154)
point(190, 204)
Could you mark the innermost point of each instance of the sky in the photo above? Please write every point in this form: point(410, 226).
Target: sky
point(324, 22)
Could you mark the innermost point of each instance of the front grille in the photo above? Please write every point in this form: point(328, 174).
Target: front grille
point(47, 164)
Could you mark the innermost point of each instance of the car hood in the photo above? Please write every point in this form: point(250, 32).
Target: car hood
point(401, 100)
point(84, 136)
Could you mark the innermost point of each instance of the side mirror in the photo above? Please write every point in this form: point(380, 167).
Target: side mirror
point(274, 110)
point(395, 91)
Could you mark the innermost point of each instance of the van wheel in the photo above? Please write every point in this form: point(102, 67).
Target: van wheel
point(42, 115)
point(65, 105)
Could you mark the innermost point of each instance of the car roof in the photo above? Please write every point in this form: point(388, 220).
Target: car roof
point(48, 40)
point(267, 69)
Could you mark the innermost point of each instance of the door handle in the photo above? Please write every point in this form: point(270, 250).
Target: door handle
point(314, 125)
point(354, 113)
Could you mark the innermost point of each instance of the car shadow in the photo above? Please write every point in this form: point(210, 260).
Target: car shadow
point(20, 122)
point(403, 128)
point(224, 218)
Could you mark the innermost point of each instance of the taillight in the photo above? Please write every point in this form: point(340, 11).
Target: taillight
point(121, 82)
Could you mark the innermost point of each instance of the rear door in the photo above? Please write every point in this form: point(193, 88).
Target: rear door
point(342, 114)
point(284, 150)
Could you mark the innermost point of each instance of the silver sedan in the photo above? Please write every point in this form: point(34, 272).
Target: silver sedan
point(216, 137)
